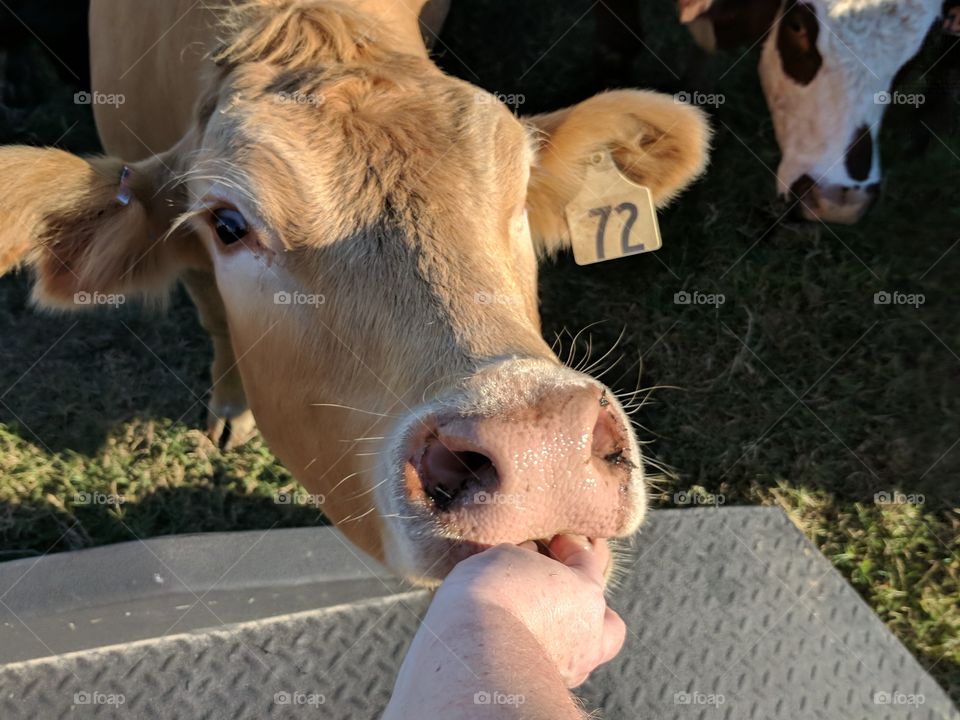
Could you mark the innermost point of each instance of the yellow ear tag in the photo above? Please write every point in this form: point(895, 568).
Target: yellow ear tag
point(611, 217)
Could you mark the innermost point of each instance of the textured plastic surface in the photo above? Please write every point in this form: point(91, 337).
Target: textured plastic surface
point(732, 613)
point(167, 585)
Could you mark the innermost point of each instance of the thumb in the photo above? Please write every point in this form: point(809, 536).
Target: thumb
point(614, 635)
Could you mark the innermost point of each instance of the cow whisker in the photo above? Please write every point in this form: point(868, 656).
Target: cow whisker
point(359, 410)
point(607, 354)
point(355, 518)
point(649, 389)
point(639, 365)
point(587, 356)
point(333, 489)
point(423, 395)
point(637, 424)
point(368, 491)
point(597, 376)
point(557, 345)
point(661, 466)
point(573, 345)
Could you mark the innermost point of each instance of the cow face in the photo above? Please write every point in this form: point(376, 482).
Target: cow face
point(827, 67)
point(373, 227)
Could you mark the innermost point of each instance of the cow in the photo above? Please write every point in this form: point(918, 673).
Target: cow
point(360, 233)
point(827, 68)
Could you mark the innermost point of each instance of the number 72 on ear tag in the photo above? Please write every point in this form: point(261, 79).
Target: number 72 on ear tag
point(611, 217)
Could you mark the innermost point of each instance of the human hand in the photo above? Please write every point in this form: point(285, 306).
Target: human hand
point(559, 599)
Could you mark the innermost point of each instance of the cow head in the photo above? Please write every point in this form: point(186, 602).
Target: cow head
point(827, 68)
point(373, 226)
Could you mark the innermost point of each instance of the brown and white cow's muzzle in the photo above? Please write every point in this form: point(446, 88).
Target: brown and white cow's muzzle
point(524, 450)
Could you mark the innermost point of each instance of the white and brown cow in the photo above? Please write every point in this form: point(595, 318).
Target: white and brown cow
point(827, 67)
point(360, 233)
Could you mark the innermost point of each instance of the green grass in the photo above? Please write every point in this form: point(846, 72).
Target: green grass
point(798, 391)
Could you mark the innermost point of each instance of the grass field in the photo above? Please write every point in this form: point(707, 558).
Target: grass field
point(798, 391)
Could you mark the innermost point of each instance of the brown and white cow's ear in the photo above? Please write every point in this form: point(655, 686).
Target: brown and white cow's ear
point(728, 24)
point(654, 140)
point(692, 9)
point(89, 226)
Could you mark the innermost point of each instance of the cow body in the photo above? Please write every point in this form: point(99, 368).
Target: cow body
point(341, 210)
point(162, 75)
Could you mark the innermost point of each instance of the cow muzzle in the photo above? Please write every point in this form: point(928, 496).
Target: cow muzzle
point(841, 204)
point(562, 460)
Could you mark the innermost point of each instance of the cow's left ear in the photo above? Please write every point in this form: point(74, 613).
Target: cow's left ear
point(654, 140)
point(729, 24)
point(89, 226)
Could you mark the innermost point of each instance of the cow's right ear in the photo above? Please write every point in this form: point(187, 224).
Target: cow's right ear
point(728, 24)
point(90, 226)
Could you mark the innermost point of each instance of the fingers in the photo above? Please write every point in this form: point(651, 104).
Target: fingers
point(577, 553)
point(611, 643)
point(614, 635)
point(602, 550)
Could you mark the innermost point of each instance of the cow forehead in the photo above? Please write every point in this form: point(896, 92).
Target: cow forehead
point(870, 38)
point(321, 154)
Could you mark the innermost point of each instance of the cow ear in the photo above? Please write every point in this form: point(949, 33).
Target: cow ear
point(654, 140)
point(89, 226)
point(728, 24)
point(692, 9)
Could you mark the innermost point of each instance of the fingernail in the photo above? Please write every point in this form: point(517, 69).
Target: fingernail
point(583, 542)
point(580, 541)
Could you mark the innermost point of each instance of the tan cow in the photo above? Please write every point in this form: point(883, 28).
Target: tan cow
point(360, 233)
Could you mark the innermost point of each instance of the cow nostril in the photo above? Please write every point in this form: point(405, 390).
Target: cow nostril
point(446, 474)
point(609, 439)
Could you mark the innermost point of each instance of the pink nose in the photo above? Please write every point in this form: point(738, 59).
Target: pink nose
point(832, 203)
point(564, 465)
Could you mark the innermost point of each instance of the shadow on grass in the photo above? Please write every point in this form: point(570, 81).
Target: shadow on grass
point(66, 379)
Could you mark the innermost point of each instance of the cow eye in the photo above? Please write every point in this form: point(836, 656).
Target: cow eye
point(230, 225)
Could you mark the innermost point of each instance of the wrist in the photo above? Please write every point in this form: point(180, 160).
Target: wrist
point(484, 657)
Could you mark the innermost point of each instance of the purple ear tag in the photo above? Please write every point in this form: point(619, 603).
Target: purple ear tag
point(125, 193)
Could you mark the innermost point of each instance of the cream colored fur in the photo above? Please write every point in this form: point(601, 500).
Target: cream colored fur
point(393, 190)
